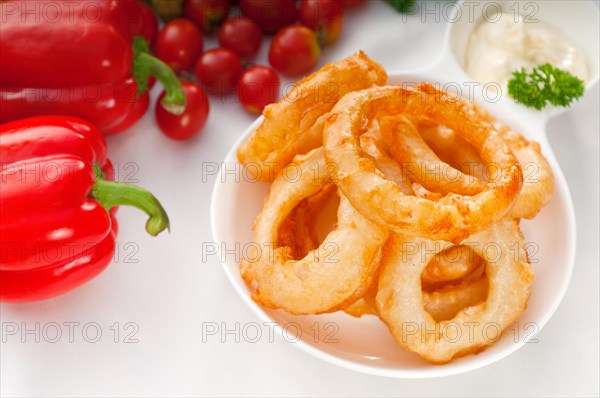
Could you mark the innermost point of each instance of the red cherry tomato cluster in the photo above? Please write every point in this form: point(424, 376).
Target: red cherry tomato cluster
point(300, 28)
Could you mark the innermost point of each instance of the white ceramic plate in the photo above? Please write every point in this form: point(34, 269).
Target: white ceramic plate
point(364, 344)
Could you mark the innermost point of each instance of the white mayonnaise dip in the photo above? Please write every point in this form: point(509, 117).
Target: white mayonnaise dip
point(499, 46)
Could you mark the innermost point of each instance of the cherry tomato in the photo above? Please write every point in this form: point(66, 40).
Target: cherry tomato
point(257, 88)
point(242, 36)
point(191, 121)
point(294, 50)
point(353, 3)
point(179, 44)
point(218, 70)
point(271, 15)
point(206, 14)
point(149, 24)
point(325, 17)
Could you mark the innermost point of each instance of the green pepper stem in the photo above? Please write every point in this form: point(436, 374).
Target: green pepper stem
point(111, 194)
point(146, 65)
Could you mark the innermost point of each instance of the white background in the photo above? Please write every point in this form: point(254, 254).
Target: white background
point(170, 292)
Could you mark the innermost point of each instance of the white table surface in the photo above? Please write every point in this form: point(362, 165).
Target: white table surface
point(168, 292)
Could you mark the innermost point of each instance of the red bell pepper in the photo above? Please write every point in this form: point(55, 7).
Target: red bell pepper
point(137, 111)
point(81, 58)
point(57, 224)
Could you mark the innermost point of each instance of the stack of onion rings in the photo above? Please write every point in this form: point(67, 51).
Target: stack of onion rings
point(417, 217)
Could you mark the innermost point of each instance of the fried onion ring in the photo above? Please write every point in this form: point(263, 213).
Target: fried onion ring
point(451, 265)
point(298, 231)
point(294, 125)
point(421, 162)
point(444, 303)
point(451, 148)
point(360, 308)
point(374, 148)
point(454, 279)
point(453, 217)
point(400, 300)
point(538, 179)
point(329, 278)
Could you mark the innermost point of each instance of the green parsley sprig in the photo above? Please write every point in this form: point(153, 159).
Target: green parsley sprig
point(544, 85)
point(403, 6)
